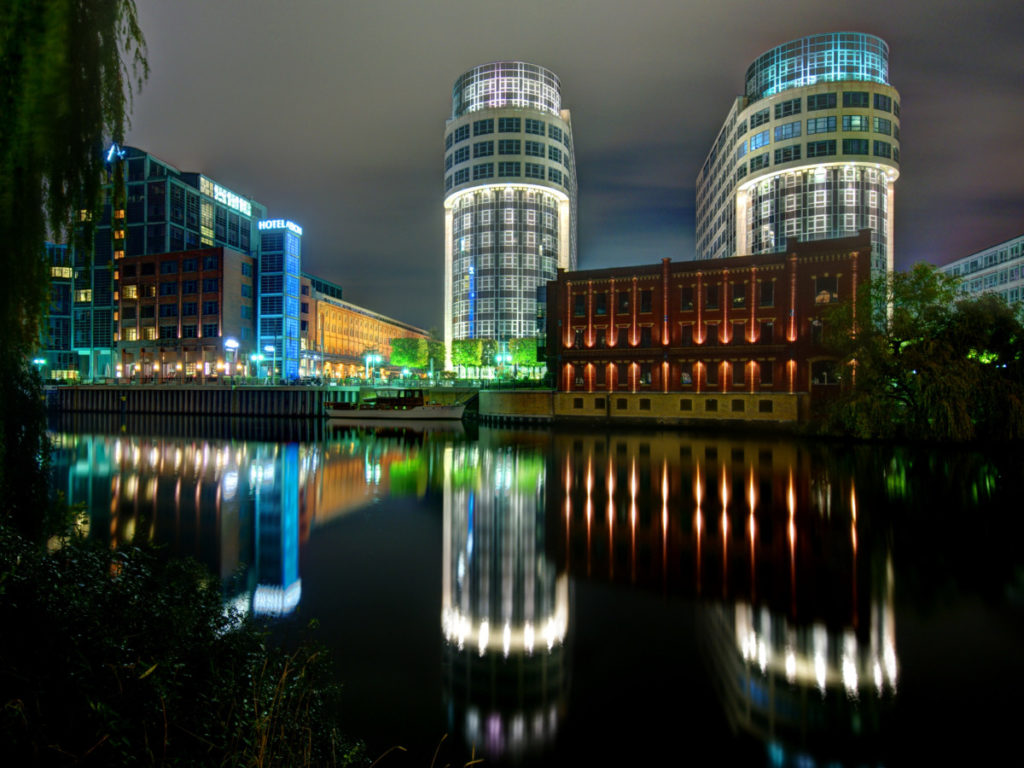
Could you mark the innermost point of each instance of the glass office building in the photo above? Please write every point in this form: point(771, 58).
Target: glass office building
point(810, 151)
point(997, 269)
point(280, 272)
point(510, 199)
point(161, 210)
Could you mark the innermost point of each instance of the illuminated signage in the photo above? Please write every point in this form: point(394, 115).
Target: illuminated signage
point(280, 224)
point(225, 196)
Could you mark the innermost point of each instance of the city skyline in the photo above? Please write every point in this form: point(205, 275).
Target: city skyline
point(331, 117)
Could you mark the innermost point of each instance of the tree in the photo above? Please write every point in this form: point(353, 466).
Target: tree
point(410, 353)
point(928, 362)
point(524, 352)
point(488, 351)
point(467, 352)
point(435, 353)
point(67, 67)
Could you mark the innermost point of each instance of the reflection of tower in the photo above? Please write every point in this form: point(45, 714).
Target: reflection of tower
point(276, 480)
point(505, 609)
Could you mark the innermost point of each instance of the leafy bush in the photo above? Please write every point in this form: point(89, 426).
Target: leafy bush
point(122, 658)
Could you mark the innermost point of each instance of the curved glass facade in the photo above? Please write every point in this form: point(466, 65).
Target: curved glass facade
point(506, 84)
point(818, 58)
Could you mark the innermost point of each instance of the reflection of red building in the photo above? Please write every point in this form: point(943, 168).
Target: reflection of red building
point(743, 325)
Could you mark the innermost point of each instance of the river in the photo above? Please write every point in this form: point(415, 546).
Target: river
point(553, 597)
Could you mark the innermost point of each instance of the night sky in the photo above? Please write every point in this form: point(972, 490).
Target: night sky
point(332, 114)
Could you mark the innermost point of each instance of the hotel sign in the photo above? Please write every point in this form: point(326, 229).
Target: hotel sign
point(280, 224)
point(225, 196)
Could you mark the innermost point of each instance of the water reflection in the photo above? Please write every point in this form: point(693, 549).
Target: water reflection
point(785, 551)
point(505, 606)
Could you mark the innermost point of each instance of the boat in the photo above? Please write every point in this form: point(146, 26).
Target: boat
point(396, 405)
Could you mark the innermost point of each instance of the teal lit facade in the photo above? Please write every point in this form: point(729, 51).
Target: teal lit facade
point(280, 271)
point(830, 57)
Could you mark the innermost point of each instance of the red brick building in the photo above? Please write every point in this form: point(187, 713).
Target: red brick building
point(749, 324)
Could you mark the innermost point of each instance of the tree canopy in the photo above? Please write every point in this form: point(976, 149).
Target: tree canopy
point(67, 69)
point(928, 361)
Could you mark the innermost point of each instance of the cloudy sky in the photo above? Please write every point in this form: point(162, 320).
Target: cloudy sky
point(332, 113)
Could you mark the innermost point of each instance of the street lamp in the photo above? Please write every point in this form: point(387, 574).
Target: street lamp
point(272, 349)
point(372, 359)
point(231, 344)
point(39, 362)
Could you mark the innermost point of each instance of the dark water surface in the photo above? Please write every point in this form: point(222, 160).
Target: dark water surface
point(606, 598)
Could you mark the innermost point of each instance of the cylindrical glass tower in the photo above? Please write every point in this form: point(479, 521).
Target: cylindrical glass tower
point(811, 151)
point(510, 199)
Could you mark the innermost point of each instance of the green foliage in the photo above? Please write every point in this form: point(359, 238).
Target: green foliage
point(467, 352)
point(435, 353)
point(488, 351)
point(120, 658)
point(410, 353)
point(524, 352)
point(64, 66)
point(929, 362)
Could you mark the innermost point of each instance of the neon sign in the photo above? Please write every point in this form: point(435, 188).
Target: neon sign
point(279, 224)
point(225, 196)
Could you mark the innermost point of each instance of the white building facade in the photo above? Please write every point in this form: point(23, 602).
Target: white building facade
point(510, 199)
point(999, 269)
point(811, 151)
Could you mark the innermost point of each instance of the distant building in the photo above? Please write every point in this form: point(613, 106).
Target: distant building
point(510, 199)
point(61, 360)
point(998, 269)
point(810, 151)
point(739, 336)
point(279, 277)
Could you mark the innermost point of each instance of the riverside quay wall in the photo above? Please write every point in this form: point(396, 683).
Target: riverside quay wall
point(218, 400)
point(663, 408)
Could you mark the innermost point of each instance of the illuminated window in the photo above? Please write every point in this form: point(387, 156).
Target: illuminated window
point(855, 122)
point(759, 140)
point(149, 333)
point(131, 334)
point(821, 125)
point(83, 295)
point(881, 125)
point(790, 130)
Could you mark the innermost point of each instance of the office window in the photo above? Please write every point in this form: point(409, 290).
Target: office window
point(211, 285)
point(483, 149)
point(210, 307)
point(210, 330)
point(739, 296)
point(130, 291)
point(508, 125)
point(738, 378)
point(645, 300)
point(855, 122)
point(759, 118)
point(534, 126)
point(711, 297)
point(601, 303)
point(766, 332)
point(766, 293)
point(882, 149)
point(168, 331)
point(461, 154)
point(686, 298)
point(448, 141)
point(509, 146)
point(788, 131)
point(533, 170)
point(883, 102)
point(855, 146)
point(821, 148)
point(856, 99)
point(554, 175)
point(554, 132)
point(482, 127)
point(881, 125)
point(508, 169)
point(821, 125)
point(189, 308)
point(554, 153)
point(787, 154)
point(821, 101)
point(246, 269)
point(759, 140)
point(787, 108)
point(767, 373)
point(148, 268)
point(759, 162)
point(190, 265)
point(168, 288)
point(189, 286)
point(461, 176)
point(579, 305)
point(246, 291)
point(461, 133)
point(211, 262)
point(623, 301)
point(189, 331)
point(168, 267)
point(483, 171)
point(534, 148)
point(826, 290)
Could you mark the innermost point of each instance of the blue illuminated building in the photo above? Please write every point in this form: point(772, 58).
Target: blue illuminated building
point(279, 277)
point(810, 151)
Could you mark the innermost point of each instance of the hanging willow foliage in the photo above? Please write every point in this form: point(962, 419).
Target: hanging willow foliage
point(67, 71)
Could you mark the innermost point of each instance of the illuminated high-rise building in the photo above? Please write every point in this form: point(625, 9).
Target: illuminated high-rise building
point(811, 150)
point(510, 199)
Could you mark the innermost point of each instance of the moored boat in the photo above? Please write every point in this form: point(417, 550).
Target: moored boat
point(399, 404)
